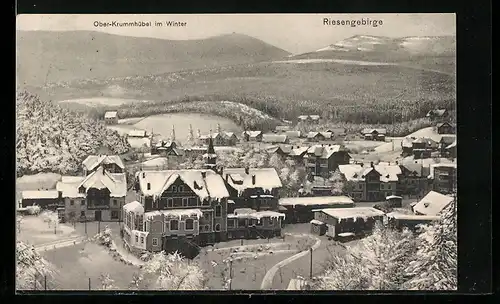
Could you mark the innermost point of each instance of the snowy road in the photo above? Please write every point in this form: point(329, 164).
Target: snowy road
point(268, 278)
point(60, 243)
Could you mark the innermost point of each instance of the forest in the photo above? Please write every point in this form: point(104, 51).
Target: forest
point(52, 139)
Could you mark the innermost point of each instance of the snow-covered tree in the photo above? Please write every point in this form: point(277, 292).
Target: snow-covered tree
point(107, 283)
point(190, 138)
point(434, 266)
point(172, 134)
point(173, 272)
point(384, 256)
point(31, 268)
point(377, 262)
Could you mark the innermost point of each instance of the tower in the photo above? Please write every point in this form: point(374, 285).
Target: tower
point(172, 136)
point(210, 156)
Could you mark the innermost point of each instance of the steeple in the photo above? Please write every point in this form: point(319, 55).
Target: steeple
point(211, 157)
point(172, 136)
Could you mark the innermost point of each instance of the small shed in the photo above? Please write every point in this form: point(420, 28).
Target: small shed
point(111, 117)
point(411, 221)
point(46, 199)
point(357, 221)
point(300, 209)
point(318, 227)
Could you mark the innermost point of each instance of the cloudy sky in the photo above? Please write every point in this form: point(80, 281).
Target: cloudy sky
point(296, 33)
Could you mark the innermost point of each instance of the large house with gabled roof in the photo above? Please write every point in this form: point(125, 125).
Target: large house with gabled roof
point(320, 160)
point(98, 196)
point(112, 163)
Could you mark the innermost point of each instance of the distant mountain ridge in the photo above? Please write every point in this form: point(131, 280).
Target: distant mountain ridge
point(44, 56)
point(411, 46)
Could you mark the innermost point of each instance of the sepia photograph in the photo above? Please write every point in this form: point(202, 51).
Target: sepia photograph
point(234, 152)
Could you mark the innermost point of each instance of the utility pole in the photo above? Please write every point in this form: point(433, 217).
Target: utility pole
point(99, 226)
point(311, 264)
point(85, 226)
point(89, 283)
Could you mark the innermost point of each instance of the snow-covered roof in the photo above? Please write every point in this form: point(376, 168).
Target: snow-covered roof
point(432, 204)
point(437, 112)
point(324, 151)
point(354, 213)
point(352, 172)
point(282, 128)
point(243, 210)
point(92, 161)
point(407, 142)
point(211, 186)
point(111, 114)
point(315, 201)
point(69, 186)
point(316, 222)
point(314, 117)
point(256, 215)
point(265, 178)
point(303, 117)
point(388, 173)
point(43, 194)
point(312, 134)
point(101, 179)
point(137, 133)
point(370, 131)
point(253, 134)
point(274, 138)
point(175, 213)
point(298, 151)
point(296, 284)
point(393, 197)
point(412, 217)
point(134, 206)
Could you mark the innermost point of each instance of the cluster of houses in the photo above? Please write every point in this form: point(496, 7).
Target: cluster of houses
point(97, 195)
point(184, 209)
point(423, 147)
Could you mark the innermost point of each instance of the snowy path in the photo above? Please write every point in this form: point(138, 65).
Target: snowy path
point(268, 278)
point(61, 243)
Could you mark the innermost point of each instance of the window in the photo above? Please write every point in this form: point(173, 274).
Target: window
point(193, 202)
point(206, 216)
point(82, 213)
point(189, 224)
point(72, 202)
point(142, 240)
point(180, 188)
point(83, 202)
point(218, 211)
point(259, 222)
point(114, 215)
point(115, 202)
point(382, 186)
point(155, 241)
point(136, 238)
point(185, 201)
point(174, 225)
point(271, 221)
point(174, 188)
point(242, 222)
point(230, 223)
point(177, 202)
point(71, 214)
point(217, 227)
point(141, 223)
point(205, 203)
point(207, 227)
point(170, 202)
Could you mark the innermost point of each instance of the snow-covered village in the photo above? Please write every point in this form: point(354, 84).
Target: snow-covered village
point(235, 160)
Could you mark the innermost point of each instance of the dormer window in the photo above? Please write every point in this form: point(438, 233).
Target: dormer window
point(180, 188)
point(387, 176)
point(355, 175)
point(174, 188)
point(426, 205)
point(81, 190)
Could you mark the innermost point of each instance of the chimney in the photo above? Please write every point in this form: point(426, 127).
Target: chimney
point(227, 178)
point(371, 165)
point(221, 171)
point(143, 174)
point(149, 186)
point(247, 170)
point(204, 174)
point(253, 179)
point(103, 170)
point(397, 163)
point(362, 165)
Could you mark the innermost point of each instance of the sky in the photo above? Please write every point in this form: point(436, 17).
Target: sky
point(295, 33)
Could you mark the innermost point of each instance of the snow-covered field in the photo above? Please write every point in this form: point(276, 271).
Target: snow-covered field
point(35, 231)
point(428, 132)
point(341, 61)
point(102, 101)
